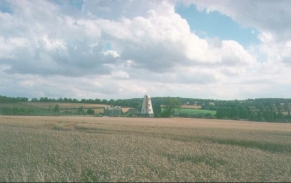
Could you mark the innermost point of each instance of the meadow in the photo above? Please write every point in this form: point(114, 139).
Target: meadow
point(83, 149)
point(194, 111)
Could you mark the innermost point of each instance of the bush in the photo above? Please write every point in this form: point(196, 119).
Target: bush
point(90, 111)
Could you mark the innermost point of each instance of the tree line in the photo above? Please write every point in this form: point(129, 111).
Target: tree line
point(4, 99)
point(271, 110)
point(55, 111)
point(261, 109)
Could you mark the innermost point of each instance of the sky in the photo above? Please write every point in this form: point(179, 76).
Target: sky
point(119, 49)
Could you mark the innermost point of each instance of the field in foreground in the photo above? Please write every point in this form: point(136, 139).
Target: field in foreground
point(142, 149)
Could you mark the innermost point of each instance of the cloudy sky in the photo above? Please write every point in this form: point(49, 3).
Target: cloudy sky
point(105, 49)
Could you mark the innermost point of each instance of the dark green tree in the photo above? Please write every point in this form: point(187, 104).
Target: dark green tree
point(104, 101)
point(90, 111)
point(56, 108)
point(171, 105)
point(157, 109)
point(81, 110)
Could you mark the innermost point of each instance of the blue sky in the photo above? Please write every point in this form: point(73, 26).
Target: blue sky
point(216, 24)
point(74, 3)
point(124, 49)
point(5, 7)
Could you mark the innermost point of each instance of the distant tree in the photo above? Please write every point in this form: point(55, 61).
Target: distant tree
point(34, 100)
point(90, 111)
point(157, 109)
point(60, 100)
point(97, 101)
point(81, 110)
point(111, 102)
point(56, 108)
point(104, 101)
point(171, 104)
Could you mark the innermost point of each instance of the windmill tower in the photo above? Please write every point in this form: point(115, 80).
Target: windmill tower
point(147, 108)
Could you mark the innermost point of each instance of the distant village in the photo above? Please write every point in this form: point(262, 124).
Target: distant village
point(146, 109)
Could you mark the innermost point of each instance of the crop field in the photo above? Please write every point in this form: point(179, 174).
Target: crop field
point(69, 107)
point(191, 106)
point(46, 105)
point(142, 149)
point(187, 106)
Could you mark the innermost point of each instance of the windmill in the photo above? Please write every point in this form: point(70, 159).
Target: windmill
point(147, 108)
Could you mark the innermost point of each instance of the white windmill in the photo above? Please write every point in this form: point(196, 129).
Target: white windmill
point(147, 108)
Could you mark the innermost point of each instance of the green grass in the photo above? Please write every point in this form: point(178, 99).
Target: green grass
point(193, 111)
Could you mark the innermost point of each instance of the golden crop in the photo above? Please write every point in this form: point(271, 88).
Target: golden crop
point(142, 149)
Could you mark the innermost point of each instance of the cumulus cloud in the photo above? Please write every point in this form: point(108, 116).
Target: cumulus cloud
point(269, 15)
point(111, 53)
point(270, 18)
point(120, 74)
point(49, 44)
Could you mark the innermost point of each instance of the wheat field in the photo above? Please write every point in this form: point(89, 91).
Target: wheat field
point(50, 149)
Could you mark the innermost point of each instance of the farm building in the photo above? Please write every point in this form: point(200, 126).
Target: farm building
point(112, 111)
point(147, 108)
point(133, 112)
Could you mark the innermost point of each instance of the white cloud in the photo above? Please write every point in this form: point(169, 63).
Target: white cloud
point(266, 37)
point(120, 74)
point(54, 44)
point(234, 54)
point(48, 49)
point(111, 53)
point(270, 18)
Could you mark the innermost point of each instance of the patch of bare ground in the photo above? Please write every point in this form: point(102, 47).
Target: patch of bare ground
point(142, 149)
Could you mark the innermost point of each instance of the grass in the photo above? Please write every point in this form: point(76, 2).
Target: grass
point(194, 111)
point(84, 149)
